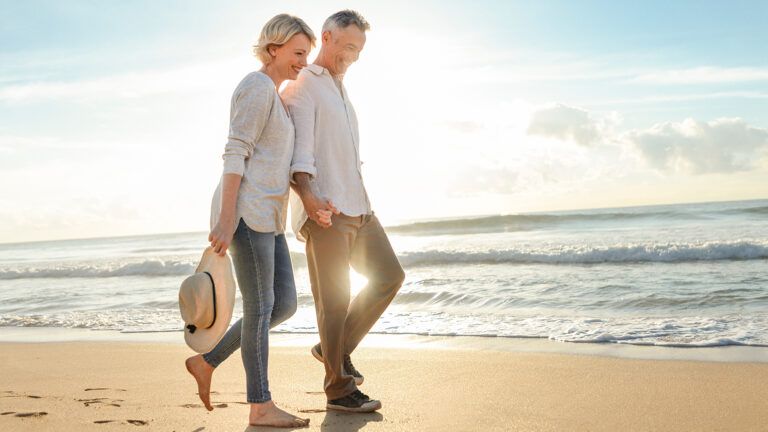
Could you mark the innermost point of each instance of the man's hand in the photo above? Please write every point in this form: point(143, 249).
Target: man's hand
point(319, 210)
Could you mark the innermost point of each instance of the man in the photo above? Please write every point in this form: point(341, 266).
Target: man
point(332, 213)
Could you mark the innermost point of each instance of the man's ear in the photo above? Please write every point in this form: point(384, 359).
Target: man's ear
point(326, 36)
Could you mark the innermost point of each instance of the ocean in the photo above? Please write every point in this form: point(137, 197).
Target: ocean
point(686, 275)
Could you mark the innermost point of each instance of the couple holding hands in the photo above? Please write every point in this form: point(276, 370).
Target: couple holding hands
point(304, 138)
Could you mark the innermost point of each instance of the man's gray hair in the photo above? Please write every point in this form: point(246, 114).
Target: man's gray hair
point(344, 19)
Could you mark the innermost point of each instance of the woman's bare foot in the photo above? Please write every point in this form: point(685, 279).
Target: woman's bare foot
point(268, 414)
point(202, 371)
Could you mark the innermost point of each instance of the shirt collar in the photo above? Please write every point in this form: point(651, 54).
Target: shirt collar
point(315, 69)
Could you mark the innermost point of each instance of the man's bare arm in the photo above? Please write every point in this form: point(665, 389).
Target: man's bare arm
point(319, 210)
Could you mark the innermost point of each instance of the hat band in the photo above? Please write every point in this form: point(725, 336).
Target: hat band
point(192, 327)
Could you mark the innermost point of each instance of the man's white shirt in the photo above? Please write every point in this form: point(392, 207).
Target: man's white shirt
point(327, 144)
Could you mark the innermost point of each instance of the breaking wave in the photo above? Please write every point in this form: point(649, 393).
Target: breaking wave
point(714, 251)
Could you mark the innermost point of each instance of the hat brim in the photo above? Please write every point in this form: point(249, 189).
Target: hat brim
point(203, 340)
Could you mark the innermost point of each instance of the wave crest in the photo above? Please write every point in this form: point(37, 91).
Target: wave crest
point(144, 268)
point(527, 222)
point(715, 251)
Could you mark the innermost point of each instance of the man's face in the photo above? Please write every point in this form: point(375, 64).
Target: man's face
point(344, 47)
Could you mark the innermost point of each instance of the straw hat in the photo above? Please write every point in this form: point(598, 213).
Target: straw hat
point(206, 300)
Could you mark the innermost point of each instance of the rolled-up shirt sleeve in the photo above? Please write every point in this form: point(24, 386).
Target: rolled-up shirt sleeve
point(251, 106)
point(302, 108)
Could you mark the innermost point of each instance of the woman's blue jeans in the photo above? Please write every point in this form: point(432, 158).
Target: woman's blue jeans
point(265, 276)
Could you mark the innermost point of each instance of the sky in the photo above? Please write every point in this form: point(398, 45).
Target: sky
point(114, 114)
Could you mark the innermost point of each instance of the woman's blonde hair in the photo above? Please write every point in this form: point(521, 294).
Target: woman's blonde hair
point(278, 31)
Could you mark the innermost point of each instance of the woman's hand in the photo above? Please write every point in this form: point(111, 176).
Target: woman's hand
point(221, 235)
point(324, 217)
point(319, 210)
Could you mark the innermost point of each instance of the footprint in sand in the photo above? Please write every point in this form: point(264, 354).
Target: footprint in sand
point(14, 394)
point(32, 414)
point(103, 401)
point(138, 422)
point(133, 422)
point(193, 405)
point(104, 388)
point(11, 393)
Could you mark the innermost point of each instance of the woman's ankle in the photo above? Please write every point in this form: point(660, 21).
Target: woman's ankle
point(262, 407)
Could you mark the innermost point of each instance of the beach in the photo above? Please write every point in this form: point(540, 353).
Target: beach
point(556, 221)
point(131, 385)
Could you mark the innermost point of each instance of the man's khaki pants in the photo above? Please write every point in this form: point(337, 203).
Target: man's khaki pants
point(361, 242)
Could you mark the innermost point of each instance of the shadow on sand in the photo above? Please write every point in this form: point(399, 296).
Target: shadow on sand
point(348, 422)
point(333, 421)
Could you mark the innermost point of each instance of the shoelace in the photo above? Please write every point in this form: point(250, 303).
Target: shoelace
point(349, 367)
point(357, 394)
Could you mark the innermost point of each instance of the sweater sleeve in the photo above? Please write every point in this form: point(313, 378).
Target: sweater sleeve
point(251, 106)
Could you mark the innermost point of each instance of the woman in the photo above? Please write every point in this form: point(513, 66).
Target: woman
point(248, 215)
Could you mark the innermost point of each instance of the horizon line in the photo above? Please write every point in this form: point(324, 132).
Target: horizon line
point(404, 222)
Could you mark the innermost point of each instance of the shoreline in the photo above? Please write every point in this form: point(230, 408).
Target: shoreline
point(727, 354)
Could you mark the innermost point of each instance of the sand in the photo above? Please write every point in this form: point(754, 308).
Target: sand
point(109, 386)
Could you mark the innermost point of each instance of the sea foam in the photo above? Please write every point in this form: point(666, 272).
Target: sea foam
point(671, 252)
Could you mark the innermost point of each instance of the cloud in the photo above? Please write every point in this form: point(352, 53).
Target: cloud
point(703, 75)
point(570, 124)
point(719, 146)
point(723, 145)
point(655, 99)
point(129, 85)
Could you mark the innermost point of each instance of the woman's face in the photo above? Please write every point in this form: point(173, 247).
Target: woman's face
point(291, 57)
